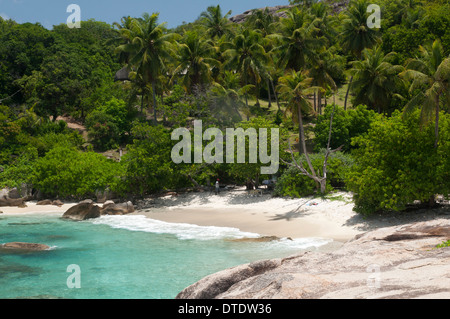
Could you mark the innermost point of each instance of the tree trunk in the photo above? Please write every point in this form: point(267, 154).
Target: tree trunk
point(275, 93)
point(436, 125)
point(155, 119)
point(315, 104)
point(268, 91)
point(319, 101)
point(348, 90)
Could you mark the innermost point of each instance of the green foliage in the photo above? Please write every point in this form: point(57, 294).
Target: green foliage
point(68, 173)
point(294, 184)
point(396, 163)
point(346, 125)
point(444, 244)
point(18, 172)
point(148, 164)
point(109, 124)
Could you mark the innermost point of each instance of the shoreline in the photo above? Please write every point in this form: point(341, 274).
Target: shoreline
point(331, 217)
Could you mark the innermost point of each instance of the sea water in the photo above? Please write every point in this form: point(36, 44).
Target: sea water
point(123, 257)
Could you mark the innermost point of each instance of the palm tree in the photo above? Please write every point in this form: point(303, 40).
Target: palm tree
point(195, 60)
point(430, 76)
point(216, 24)
point(247, 56)
point(321, 71)
point(356, 35)
point(376, 79)
point(297, 42)
point(149, 48)
point(294, 88)
point(262, 20)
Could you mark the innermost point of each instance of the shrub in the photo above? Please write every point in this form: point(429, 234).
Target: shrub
point(346, 125)
point(396, 163)
point(66, 172)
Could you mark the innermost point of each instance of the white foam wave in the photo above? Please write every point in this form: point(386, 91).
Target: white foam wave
point(191, 231)
point(182, 231)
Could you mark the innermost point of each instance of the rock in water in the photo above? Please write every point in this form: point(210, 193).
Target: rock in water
point(25, 246)
point(110, 208)
point(82, 211)
point(394, 262)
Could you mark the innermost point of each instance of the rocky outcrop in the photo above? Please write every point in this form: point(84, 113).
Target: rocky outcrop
point(110, 208)
point(82, 211)
point(11, 202)
point(24, 246)
point(276, 11)
point(88, 210)
point(395, 262)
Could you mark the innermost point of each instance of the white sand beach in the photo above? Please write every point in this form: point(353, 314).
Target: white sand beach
point(263, 214)
point(331, 217)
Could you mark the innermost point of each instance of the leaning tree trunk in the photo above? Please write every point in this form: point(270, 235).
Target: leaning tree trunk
point(275, 93)
point(348, 90)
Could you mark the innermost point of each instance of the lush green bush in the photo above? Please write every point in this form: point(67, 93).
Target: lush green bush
point(396, 163)
point(66, 172)
point(148, 163)
point(20, 170)
point(109, 125)
point(346, 125)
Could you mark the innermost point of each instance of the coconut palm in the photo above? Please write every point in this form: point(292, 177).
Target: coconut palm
point(294, 88)
point(195, 60)
point(321, 71)
point(297, 43)
point(376, 79)
point(216, 24)
point(149, 48)
point(247, 56)
point(356, 35)
point(429, 75)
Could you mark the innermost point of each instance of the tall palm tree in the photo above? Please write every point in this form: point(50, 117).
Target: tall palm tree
point(298, 42)
point(149, 48)
point(247, 56)
point(321, 71)
point(376, 79)
point(356, 35)
point(195, 60)
point(294, 88)
point(430, 77)
point(262, 20)
point(216, 24)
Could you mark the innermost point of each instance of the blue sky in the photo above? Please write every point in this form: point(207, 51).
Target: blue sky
point(174, 12)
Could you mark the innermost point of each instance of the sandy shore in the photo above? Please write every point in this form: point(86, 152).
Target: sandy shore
point(265, 215)
point(332, 217)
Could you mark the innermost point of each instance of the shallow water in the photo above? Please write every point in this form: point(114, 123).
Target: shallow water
point(123, 257)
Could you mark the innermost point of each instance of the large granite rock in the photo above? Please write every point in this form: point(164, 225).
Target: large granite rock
point(394, 262)
point(111, 208)
point(82, 211)
point(11, 202)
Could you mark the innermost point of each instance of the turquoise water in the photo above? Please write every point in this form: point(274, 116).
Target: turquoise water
point(122, 257)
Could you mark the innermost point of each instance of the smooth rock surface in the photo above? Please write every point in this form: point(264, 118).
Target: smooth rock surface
point(394, 262)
